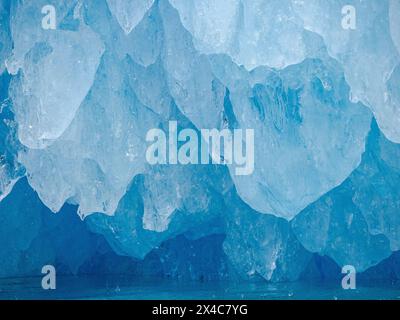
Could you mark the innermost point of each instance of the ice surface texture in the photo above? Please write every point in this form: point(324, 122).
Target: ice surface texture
point(77, 102)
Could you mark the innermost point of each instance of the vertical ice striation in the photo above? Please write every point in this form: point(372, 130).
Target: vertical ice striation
point(368, 53)
point(264, 32)
point(304, 126)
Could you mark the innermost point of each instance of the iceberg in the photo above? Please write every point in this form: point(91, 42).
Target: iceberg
point(77, 102)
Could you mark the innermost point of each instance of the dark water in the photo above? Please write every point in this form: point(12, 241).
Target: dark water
point(125, 288)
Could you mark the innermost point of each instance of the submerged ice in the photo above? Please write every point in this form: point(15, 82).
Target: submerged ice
point(78, 101)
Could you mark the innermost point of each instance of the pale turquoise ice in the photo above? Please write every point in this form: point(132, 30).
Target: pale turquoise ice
point(5, 39)
point(304, 126)
point(374, 43)
point(129, 13)
point(77, 102)
point(64, 61)
point(264, 32)
point(253, 33)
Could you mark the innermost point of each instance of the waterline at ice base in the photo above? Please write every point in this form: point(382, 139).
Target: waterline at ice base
point(200, 149)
